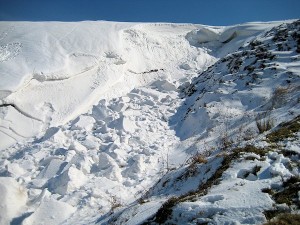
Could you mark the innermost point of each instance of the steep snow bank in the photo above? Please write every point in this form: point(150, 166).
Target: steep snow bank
point(259, 81)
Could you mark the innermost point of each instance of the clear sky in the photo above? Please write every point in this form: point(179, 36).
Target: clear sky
point(210, 12)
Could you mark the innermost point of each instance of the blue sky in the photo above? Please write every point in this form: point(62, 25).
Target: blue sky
point(211, 12)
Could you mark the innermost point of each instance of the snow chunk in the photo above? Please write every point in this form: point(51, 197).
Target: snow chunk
point(83, 123)
point(185, 66)
point(15, 169)
point(123, 123)
point(136, 168)
point(203, 35)
point(52, 169)
point(164, 85)
point(50, 212)
point(75, 145)
point(54, 134)
point(67, 182)
point(108, 168)
point(280, 169)
point(90, 142)
point(13, 199)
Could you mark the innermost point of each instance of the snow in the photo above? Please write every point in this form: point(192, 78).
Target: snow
point(100, 121)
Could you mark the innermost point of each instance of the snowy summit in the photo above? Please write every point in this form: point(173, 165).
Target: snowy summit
point(149, 123)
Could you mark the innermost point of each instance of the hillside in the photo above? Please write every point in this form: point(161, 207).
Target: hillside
point(124, 123)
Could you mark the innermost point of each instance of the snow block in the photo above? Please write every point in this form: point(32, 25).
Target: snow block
point(50, 212)
point(67, 182)
point(108, 168)
point(123, 123)
point(13, 199)
point(52, 169)
point(203, 35)
point(83, 123)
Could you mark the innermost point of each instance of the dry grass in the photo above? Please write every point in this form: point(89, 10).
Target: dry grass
point(165, 210)
point(279, 96)
point(286, 130)
point(114, 202)
point(285, 219)
point(251, 149)
point(289, 194)
point(197, 159)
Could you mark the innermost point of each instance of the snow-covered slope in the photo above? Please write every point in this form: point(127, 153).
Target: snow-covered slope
point(103, 122)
